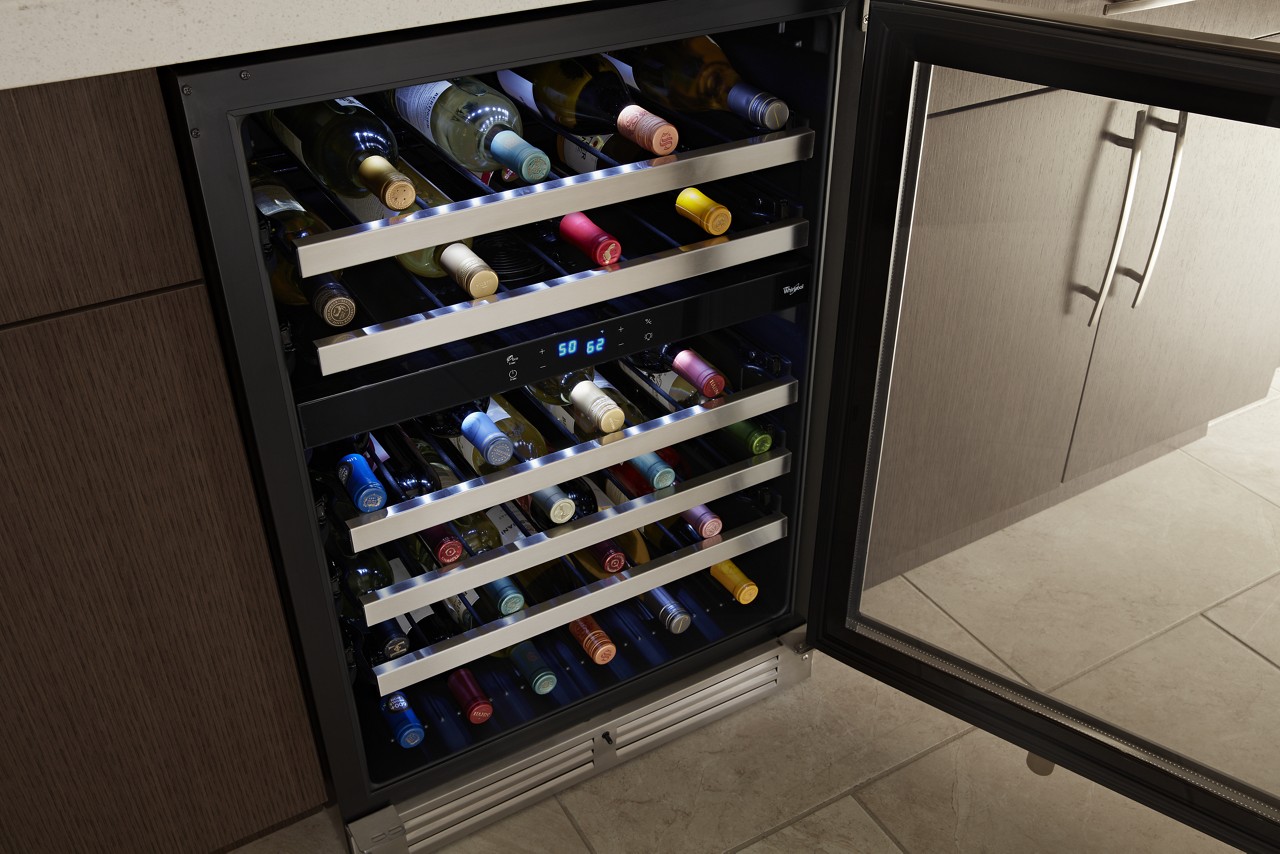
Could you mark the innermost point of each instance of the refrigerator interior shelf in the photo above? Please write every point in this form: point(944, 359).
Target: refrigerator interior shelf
point(371, 241)
point(423, 590)
point(603, 593)
point(480, 493)
point(360, 347)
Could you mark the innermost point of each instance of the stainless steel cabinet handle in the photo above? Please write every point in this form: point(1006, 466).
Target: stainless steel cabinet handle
point(1179, 129)
point(1122, 226)
point(1124, 7)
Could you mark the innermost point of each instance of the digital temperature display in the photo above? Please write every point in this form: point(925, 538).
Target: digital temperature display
point(589, 346)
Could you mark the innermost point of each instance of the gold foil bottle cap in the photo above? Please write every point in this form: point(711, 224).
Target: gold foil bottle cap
point(713, 217)
point(743, 589)
point(392, 187)
point(469, 270)
point(650, 132)
point(597, 408)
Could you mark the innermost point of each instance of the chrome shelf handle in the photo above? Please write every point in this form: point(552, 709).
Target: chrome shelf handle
point(1125, 7)
point(1122, 225)
point(1179, 129)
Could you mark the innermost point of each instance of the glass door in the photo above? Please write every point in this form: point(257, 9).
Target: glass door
point(1061, 334)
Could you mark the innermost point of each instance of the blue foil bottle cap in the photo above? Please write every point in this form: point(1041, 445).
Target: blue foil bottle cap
point(506, 596)
point(533, 667)
point(402, 720)
point(528, 161)
point(494, 445)
point(361, 483)
point(655, 470)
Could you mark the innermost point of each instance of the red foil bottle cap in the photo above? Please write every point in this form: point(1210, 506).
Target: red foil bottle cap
point(703, 520)
point(707, 380)
point(611, 557)
point(444, 545)
point(469, 696)
point(594, 242)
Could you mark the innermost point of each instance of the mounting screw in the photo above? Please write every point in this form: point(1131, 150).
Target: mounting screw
point(866, 19)
point(804, 657)
point(244, 75)
point(195, 133)
point(186, 90)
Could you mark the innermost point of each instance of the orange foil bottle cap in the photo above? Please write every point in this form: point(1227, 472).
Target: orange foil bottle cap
point(650, 132)
point(699, 372)
point(595, 642)
point(713, 217)
point(732, 579)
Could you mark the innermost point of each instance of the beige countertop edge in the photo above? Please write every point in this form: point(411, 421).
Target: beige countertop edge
point(43, 41)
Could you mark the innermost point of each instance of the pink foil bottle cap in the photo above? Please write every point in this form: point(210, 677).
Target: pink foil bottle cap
point(703, 520)
point(593, 241)
point(646, 130)
point(707, 380)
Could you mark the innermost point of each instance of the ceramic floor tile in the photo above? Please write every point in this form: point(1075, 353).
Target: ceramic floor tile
point(1246, 448)
point(321, 833)
point(1197, 691)
point(1254, 618)
point(540, 828)
point(899, 604)
point(740, 776)
point(977, 795)
point(841, 828)
point(1061, 591)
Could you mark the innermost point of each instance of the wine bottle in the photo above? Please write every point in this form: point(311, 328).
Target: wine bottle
point(664, 607)
point(591, 240)
point(674, 361)
point(283, 220)
point(455, 260)
point(356, 475)
point(583, 498)
point(743, 439)
point(577, 399)
point(406, 730)
point(531, 666)
point(703, 211)
point(413, 554)
point(526, 440)
point(615, 146)
point(403, 470)
point(555, 579)
point(700, 518)
point(479, 534)
point(587, 95)
point(694, 74)
point(470, 422)
point(653, 469)
point(346, 147)
point(726, 573)
point(475, 126)
point(433, 627)
point(380, 642)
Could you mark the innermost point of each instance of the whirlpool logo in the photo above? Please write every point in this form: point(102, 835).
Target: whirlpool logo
point(793, 289)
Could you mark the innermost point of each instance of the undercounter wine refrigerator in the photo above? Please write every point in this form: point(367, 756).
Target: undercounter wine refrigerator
point(568, 346)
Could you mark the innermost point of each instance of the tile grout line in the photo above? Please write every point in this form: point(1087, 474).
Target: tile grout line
point(966, 630)
point(1228, 477)
point(573, 821)
point(783, 825)
point(879, 822)
point(1244, 643)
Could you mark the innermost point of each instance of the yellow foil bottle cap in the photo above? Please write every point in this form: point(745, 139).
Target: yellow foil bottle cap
point(469, 270)
point(597, 408)
point(731, 578)
point(713, 217)
point(392, 187)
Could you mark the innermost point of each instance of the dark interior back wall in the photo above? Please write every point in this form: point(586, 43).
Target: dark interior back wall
point(151, 700)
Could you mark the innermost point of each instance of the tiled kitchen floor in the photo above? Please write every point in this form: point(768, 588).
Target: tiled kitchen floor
point(842, 763)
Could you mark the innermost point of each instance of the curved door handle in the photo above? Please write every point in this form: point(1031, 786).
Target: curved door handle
point(1122, 225)
point(1179, 129)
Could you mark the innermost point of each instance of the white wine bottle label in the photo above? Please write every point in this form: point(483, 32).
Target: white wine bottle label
point(519, 88)
point(415, 103)
point(565, 417)
point(288, 137)
point(349, 102)
point(505, 524)
point(624, 69)
point(379, 451)
point(582, 160)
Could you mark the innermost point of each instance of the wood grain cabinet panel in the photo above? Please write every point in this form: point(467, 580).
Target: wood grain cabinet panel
point(93, 207)
point(151, 697)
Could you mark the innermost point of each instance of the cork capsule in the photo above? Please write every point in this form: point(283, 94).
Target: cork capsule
point(392, 187)
point(593, 639)
point(469, 270)
point(650, 132)
point(597, 408)
point(743, 589)
point(711, 216)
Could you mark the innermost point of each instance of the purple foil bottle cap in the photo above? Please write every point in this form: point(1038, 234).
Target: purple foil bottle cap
point(494, 445)
point(703, 520)
point(706, 379)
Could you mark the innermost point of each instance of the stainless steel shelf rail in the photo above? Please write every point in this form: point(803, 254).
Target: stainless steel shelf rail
point(420, 591)
point(603, 593)
point(371, 241)
point(481, 493)
point(354, 349)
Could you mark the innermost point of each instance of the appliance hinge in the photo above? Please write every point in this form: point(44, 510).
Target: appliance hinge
point(381, 832)
point(866, 15)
